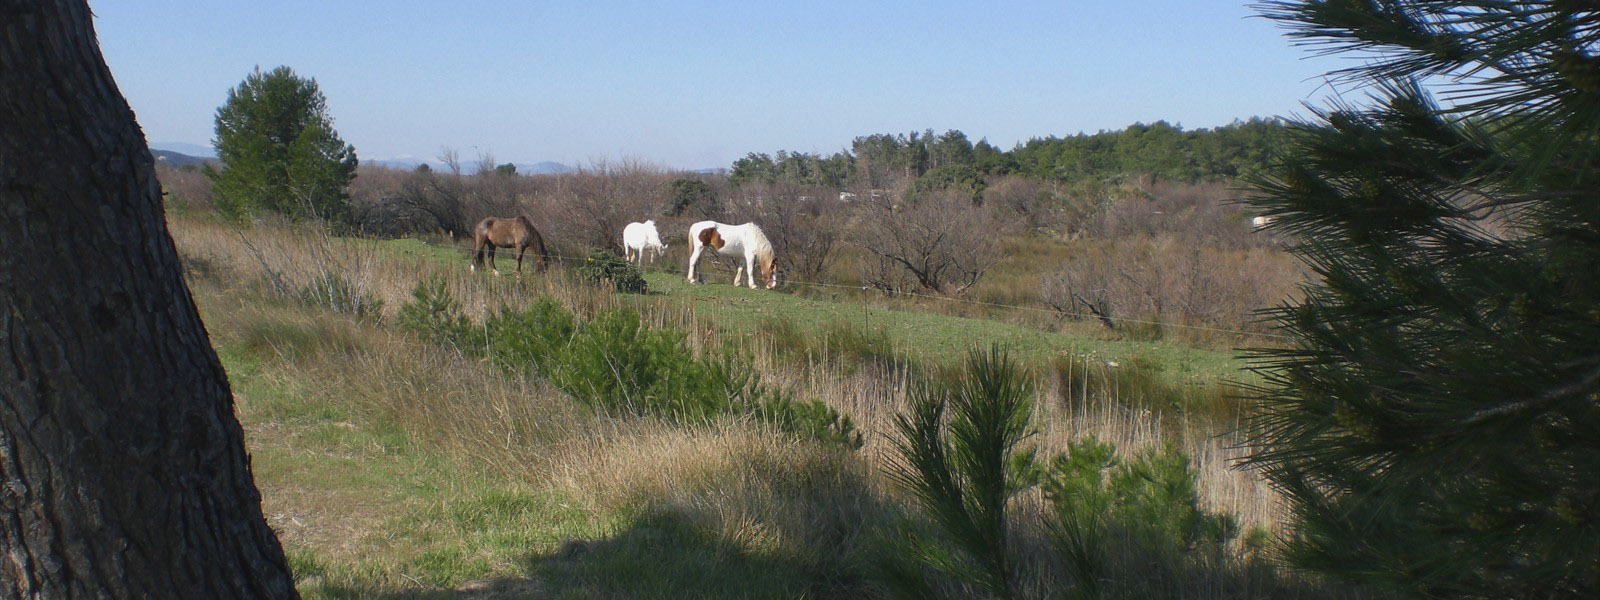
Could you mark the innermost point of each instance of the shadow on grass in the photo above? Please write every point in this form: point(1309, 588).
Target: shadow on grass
point(664, 556)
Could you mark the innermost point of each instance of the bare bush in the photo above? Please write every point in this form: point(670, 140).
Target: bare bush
point(392, 203)
point(1037, 204)
point(1073, 290)
point(185, 188)
point(942, 243)
point(805, 224)
point(1201, 214)
point(589, 208)
point(1169, 280)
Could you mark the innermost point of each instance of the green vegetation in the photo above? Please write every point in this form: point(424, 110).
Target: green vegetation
point(1151, 504)
point(1435, 425)
point(962, 474)
point(940, 339)
point(392, 466)
point(1122, 528)
point(691, 196)
point(279, 151)
point(606, 269)
point(1158, 150)
point(615, 365)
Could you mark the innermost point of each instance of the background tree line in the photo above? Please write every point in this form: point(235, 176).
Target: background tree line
point(1158, 150)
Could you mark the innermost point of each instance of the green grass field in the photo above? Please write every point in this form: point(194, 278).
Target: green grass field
point(929, 336)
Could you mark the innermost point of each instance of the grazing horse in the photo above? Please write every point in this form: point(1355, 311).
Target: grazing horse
point(639, 237)
point(516, 233)
point(735, 240)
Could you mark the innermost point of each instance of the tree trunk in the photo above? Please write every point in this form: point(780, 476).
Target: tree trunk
point(122, 468)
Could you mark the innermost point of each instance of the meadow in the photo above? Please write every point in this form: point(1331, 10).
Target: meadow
point(396, 466)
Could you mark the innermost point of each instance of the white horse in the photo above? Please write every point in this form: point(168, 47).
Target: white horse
point(639, 237)
point(745, 241)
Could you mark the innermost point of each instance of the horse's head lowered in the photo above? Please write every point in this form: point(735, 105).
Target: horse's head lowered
point(769, 271)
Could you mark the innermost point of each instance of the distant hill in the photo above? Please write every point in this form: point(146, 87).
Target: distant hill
point(180, 154)
point(545, 168)
point(179, 159)
point(194, 150)
point(402, 164)
point(469, 167)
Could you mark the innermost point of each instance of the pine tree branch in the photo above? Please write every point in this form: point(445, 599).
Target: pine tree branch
point(1549, 397)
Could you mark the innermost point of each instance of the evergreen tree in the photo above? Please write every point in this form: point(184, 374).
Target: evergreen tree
point(691, 196)
point(1436, 427)
point(754, 167)
point(279, 151)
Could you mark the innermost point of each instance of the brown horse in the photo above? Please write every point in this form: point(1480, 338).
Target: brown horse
point(507, 233)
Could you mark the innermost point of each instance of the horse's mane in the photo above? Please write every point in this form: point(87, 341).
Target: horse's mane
point(763, 246)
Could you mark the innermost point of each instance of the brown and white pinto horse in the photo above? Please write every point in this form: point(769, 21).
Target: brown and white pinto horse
point(738, 241)
point(515, 233)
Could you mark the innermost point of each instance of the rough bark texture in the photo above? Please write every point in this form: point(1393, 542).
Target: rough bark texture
point(122, 468)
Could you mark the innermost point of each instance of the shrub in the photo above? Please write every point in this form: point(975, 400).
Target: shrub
point(529, 340)
point(433, 314)
point(333, 292)
point(963, 467)
point(962, 470)
point(615, 365)
point(1149, 506)
point(1153, 498)
point(618, 366)
point(942, 243)
point(607, 269)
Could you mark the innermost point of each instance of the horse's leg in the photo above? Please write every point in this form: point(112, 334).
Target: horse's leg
point(736, 273)
point(750, 271)
point(477, 256)
point(492, 249)
point(694, 257)
point(520, 250)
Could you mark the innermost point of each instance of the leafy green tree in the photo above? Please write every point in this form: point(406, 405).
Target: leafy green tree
point(1436, 427)
point(950, 149)
point(279, 151)
point(959, 178)
point(686, 194)
point(994, 161)
point(754, 167)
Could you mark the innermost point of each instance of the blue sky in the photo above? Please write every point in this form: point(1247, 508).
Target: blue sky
point(694, 84)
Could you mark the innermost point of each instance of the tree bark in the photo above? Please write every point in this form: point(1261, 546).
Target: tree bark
point(123, 472)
